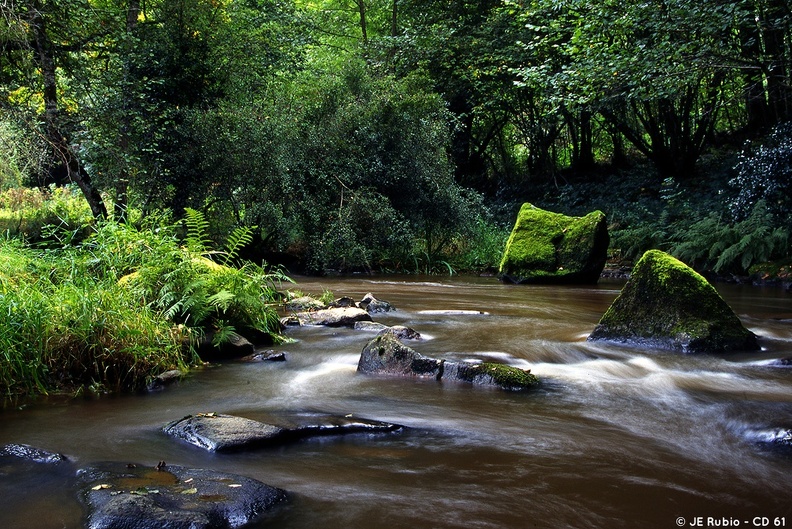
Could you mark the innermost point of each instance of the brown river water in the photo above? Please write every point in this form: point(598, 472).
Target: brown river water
point(616, 437)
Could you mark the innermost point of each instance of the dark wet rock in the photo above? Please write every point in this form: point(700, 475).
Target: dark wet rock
point(773, 438)
point(370, 326)
point(547, 247)
point(265, 356)
point(374, 305)
point(343, 302)
point(290, 321)
point(386, 355)
point(314, 425)
point(454, 312)
point(402, 333)
point(23, 452)
point(303, 304)
point(222, 433)
point(340, 317)
point(399, 331)
point(165, 379)
point(236, 346)
point(218, 433)
point(124, 496)
point(669, 305)
point(490, 374)
point(781, 362)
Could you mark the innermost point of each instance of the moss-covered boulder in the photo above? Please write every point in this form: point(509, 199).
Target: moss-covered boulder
point(547, 247)
point(668, 304)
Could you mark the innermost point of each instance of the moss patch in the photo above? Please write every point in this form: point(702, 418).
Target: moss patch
point(507, 377)
point(668, 304)
point(547, 247)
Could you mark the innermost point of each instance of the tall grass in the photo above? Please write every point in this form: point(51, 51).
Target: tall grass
point(113, 311)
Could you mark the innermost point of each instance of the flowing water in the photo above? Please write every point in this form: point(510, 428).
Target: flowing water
point(616, 436)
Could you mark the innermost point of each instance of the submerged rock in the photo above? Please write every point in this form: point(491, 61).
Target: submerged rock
point(165, 379)
point(23, 452)
point(236, 346)
point(402, 333)
point(122, 495)
point(223, 433)
point(547, 247)
point(217, 432)
point(370, 326)
point(339, 317)
point(399, 331)
point(667, 304)
point(386, 355)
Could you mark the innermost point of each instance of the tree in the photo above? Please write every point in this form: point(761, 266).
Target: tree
point(41, 38)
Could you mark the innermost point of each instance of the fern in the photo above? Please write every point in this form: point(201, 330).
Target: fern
point(197, 240)
point(239, 238)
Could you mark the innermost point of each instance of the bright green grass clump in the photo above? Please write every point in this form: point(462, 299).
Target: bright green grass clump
point(68, 322)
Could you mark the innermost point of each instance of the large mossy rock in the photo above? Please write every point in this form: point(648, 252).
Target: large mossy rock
point(546, 247)
point(668, 304)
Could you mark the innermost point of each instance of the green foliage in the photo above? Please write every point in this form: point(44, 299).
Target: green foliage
point(51, 214)
point(64, 327)
point(120, 307)
point(711, 244)
point(764, 175)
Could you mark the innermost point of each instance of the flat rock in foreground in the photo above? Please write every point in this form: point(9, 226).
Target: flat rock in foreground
point(218, 432)
point(669, 305)
point(124, 496)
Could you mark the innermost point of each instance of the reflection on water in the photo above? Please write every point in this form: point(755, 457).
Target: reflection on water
point(615, 437)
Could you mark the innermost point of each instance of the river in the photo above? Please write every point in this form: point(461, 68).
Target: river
point(616, 437)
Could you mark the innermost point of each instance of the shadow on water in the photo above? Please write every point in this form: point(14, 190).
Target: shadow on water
point(615, 437)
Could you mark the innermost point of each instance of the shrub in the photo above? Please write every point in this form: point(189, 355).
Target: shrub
point(765, 174)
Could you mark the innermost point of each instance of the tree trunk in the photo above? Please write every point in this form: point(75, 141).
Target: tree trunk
point(45, 57)
point(122, 182)
point(757, 114)
point(394, 19)
point(361, 4)
point(775, 31)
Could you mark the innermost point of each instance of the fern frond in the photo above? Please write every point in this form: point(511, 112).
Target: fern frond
point(239, 238)
point(221, 300)
point(197, 231)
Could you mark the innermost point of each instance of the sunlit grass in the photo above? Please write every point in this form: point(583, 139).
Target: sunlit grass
point(69, 323)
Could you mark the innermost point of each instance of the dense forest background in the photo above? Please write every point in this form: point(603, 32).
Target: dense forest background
point(401, 135)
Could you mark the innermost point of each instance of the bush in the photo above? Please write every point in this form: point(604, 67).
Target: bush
point(765, 174)
point(53, 213)
point(119, 308)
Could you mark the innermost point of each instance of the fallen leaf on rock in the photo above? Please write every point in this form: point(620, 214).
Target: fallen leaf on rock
point(190, 491)
point(102, 486)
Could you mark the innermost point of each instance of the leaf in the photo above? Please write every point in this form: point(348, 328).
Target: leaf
point(102, 486)
point(190, 491)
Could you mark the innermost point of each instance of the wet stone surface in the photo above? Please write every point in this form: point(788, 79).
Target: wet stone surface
point(119, 495)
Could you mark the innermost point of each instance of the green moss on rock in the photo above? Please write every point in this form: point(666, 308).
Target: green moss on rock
point(505, 376)
point(547, 247)
point(668, 304)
